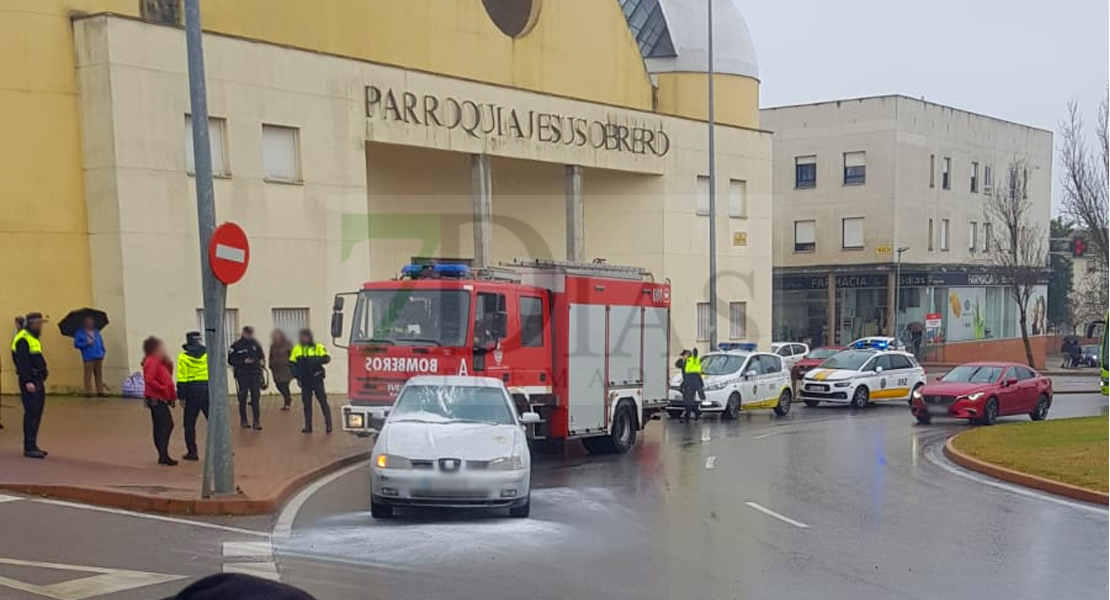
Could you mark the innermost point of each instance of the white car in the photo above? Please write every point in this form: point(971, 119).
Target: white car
point(791, 352)
point(858, 377)
point(452, 442)
point(877, 342)
point(736, 381)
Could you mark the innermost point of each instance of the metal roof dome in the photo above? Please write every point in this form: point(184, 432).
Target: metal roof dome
point(672, 35)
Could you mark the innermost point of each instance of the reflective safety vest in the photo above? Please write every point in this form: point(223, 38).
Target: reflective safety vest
point(307, 351)
point(191, 368)
point(34, 346)
point(693, 365)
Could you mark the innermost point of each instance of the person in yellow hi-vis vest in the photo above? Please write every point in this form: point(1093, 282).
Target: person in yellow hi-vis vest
point(307, 361)
point(30, 366)
point(192, 388)
point(693, 388)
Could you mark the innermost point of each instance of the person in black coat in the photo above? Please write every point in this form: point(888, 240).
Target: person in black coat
point(247, 359)
point(30, 366)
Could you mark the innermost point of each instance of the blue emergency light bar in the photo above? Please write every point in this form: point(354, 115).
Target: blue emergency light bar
point(444, 270)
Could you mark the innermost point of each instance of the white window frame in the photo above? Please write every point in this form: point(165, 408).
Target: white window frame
point(931, 234)
point(974, 177)
point(972, 236)
point(855, 159)
point(703, 321)
point(217, 138)
point(737, 199)
point(290, 320)
point(808, 159)
point(737, 320)
point(988, 178)
point(844, 233)
point(932, 170)
point(701, 201)
point(231, 325)
point(946, 173)
point(945, 234)
point(268, 158)
point(814, 236)
point(988, 232)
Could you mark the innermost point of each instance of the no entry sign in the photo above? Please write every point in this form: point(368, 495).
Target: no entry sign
point(229, 253)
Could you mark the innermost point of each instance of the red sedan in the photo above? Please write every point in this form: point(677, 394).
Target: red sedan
point(983, 391)
point(815, 357)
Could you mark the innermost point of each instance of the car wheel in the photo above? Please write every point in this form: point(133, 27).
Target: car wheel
point(924, 419)
point(732, 409)
point(785, 400)
point(380, 511)
point(522, 511)
point(860, 398)
point(812, 403)
point(990, 412)
point(1041, 412)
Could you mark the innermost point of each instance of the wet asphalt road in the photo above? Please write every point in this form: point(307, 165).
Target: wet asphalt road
point(826, 502)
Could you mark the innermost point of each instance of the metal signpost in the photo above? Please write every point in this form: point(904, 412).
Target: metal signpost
point(712, 195)
point(219, 468)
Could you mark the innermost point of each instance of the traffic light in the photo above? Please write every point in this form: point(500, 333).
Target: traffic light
point(1078, 247)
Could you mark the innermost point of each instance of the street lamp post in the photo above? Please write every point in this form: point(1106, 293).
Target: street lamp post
point(898, 288)
point(712, 193)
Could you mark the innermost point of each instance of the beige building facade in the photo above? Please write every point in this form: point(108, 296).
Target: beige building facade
point(857, 180)
point(344, 163)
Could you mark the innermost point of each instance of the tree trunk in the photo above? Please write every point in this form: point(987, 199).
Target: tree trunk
point(1025, 335)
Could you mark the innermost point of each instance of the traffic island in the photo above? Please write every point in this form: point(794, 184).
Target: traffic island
point(1066, 457)
point(101, 453)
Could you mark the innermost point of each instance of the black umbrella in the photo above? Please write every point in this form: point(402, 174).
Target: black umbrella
point(76, 320)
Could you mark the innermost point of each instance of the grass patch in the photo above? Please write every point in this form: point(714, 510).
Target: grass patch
point(1072, 451)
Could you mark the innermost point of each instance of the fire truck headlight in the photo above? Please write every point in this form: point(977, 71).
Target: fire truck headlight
point(355, 420)
point(389, 461)
point(509, 463)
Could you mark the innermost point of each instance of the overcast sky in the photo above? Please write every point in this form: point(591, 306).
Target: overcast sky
point(1020, 60)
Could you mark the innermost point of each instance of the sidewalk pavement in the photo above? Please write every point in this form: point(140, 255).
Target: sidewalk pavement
point(102, 452)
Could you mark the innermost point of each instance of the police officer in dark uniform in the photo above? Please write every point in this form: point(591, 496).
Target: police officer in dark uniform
point(192, 387)
point(307, 361)
point(30, 366)
point(247, 359)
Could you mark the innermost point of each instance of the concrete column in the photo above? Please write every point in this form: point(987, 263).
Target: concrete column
point(576, 215)
point(891, 309)
point(481, 199)
point(830, 314)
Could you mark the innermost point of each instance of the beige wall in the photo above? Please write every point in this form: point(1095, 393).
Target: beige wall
point(639, 209)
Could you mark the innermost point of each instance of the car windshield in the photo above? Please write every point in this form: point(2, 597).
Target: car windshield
point(450, 403)
point(822, 353)
point(412, 317)
point(851, 360)
point(973, 374)
point(721, 364)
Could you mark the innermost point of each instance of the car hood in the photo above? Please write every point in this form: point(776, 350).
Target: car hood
point(708, 380)
point(954, 388)
point(830, 374)
point(429, 441)
point(809, 363)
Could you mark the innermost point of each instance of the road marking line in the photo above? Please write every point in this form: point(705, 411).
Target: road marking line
point(5, 498)
point(265, 570)
point(705, 437)
point(781, 517)
point(710, 462)
point(152, 517)
point(98, 582)
point(936, 457)
point(283, 527)
point(763, 436)
point(252, 549)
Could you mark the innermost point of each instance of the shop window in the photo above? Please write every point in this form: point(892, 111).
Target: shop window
point(704, 326)
point(972, 236)
point(805, 172)
point(738, 199)
point(280, 156)
point(531, 322)
point(851, 233)
point(737, 320)
point(988, 179)
point(217, 139)
point(805, 236)
point(946, 174)
point(944, 225)
point(974, 177)
point(231, 325)
point(855, 168)
point(290, 320)
point(701, 206)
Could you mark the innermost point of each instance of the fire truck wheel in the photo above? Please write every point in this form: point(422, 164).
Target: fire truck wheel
point(623, 435)
point(380, 511)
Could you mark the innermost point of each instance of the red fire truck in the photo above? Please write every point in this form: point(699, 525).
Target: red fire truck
point(584, 345)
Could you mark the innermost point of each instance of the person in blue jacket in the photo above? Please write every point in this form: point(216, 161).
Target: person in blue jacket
point(88, 341)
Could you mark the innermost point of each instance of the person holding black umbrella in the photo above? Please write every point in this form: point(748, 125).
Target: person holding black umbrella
point(30, 365)
point(84, 326)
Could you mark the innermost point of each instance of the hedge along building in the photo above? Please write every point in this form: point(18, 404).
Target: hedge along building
point(352, 137)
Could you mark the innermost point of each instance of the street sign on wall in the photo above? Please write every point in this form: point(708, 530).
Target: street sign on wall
point(229, 253)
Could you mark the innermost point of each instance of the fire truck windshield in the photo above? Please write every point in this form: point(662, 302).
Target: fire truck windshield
point(411, 317)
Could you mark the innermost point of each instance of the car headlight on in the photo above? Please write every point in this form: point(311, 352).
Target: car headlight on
point(974, 397)
point(715, 387)
point(508, 463)
point(390, 461)
point(842, 384)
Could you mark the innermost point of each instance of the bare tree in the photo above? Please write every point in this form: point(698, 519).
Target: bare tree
point(1019, 249)
point(1086, 176)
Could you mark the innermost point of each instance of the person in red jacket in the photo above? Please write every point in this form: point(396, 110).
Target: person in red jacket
point(161, 394)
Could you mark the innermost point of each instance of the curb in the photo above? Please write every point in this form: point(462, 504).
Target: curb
point(238, 505)
point(1032, 481)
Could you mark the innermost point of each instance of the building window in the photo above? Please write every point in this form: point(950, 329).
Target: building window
point(946, 174)
point(805, 236)
point(217, 138)
point(280, 156)
point(932, 170)
point(704, 329)
point(531, 322)
point(231, 325)
point(737, 320)
point(701, 205)
point(166, 12)
point(851, 233)
point(930, 235)
point(738, 199)
point(805, 172)
point(972, 236)
point(988, 179)
point(855, 168)
point(944, 235)
point(290, 320)
point(987, 233)
point(974, 177)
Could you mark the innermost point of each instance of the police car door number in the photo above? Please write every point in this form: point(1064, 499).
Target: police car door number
point(903, 381)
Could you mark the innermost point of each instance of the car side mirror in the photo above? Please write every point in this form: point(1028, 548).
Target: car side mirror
point(337, 322)
point(529, 418)
point(878, 369)
point(1011, 381)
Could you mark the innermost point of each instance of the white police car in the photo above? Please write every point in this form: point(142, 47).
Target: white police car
point(860, 376)
point(736, 381)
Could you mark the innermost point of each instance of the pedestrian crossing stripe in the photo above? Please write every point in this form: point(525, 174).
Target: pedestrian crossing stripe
point(100, 581)
point(4, 498)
